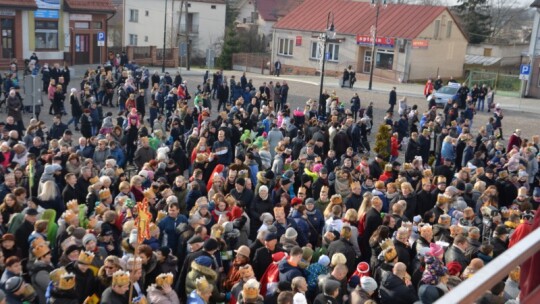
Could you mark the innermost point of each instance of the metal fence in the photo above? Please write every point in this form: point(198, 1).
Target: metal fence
point(505, 85)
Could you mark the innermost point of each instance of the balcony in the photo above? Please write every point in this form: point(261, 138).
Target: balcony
point(191, 29)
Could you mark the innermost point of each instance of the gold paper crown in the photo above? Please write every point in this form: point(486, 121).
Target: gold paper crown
point(386, 244)
point(251, 289)
point(336, 199)
point(407, 166)
point(441, 179)
point(164, 278)
point(134, 263)
point(86, 257)
point(161, 215)
point(149, 193)
point(100, 209)
point(202, 284)
point(73, 205)
point(426, 181)
point(443, 199)
point(56, 274)
point(355, 184)
point(428, 173)
point(94, 180)
point(69, 216)
point(104, 194)
point(120, 278)
point(41, 250)
point(67, 281)
point(38, 242)
point(390, 254)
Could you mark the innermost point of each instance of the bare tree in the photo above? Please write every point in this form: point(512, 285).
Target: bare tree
point(504, 14)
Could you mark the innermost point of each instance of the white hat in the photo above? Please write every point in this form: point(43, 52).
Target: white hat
point(368, 284)
point(291, 233)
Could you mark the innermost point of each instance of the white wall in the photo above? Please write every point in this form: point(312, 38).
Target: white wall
point(149, 29)
point(512, 50)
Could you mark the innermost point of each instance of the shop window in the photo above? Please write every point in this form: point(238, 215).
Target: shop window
point(331, 48)
point(436, 29)
point(46, 34)
point(448, 29)
point(133, 15)
point(97, 25)
point(285, 47)
point(133, 39)
point(385, 59)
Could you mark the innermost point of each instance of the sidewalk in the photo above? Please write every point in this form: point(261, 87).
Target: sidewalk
point(525, 105)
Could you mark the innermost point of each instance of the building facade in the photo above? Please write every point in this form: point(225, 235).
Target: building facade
point(413, 42)
point(202, 23)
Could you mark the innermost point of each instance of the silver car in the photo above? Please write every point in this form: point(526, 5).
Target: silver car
point(443, 94)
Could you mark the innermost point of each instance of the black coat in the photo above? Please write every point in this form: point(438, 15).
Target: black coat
point(413, 149)
point(424, 202)
point(21, 237)
point(263, 259)
point(346, 248)
point(85, 282)
point(394, 291)
point(454, 254)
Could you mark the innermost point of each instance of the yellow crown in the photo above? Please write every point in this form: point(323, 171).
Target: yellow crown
point(73, 205)
point(426, 181)
point(149, 193)
point(56, 274)
point(202, 284)
point(120, 278)
point(41, 250)
point(94, 180)
point(386, 244)
point(164, 278)
point(355, 184)
point(161, 215)
point(69, 216)
point(100, 209)
point(134, 263)
point(104, 194)
point(67, 281)
point(251, 289)
point(443, 199)
point(336, 199)
point(86, 257)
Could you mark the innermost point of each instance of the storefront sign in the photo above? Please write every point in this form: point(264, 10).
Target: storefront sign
point(298, 40)
point(48, 4)
point(80, 17)
point(46, 14)
point(420, 44)
point(82, 25)
point(7, 12)
point(367, 40)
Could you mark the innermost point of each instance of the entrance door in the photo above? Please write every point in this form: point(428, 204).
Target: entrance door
point(7, 45)
point(367, 61)
point(96, 50)
point(82, 49)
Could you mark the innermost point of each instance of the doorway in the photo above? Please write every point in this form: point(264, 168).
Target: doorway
point(8, 45)
point(367, 61)
point(82, 49)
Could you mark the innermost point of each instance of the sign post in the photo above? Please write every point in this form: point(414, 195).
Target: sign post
point(524, 71)
point(100, 43)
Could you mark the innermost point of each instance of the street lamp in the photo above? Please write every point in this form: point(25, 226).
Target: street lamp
point(377, 5)
point(164, 39)
point(329, 34)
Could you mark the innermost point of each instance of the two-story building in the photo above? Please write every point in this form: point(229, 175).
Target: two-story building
point(413, 42)
point(141, 23)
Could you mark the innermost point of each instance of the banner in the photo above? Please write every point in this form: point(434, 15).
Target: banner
point(420, 44)
point(367, 40)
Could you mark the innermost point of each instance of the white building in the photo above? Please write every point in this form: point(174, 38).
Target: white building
point(203, 21)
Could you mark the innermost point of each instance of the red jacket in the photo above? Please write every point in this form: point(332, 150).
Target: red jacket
point(394, 151)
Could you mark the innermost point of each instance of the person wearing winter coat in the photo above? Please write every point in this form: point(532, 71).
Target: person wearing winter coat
point(161, 292)
point(203, 292)
point(288, 268)
point(40, 270)
point(396, 286)
point(261, 204)
point(344, 246)
point(14, 109)
point(200, 267)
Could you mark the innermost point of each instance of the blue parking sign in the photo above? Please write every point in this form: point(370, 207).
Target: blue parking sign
point(525, 69)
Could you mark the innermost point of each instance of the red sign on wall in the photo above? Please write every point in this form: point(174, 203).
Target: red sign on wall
point(298, 40)
point(367, 40)
point(420, 44)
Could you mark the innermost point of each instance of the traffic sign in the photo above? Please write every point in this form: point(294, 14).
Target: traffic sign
point(101, 39)
point(525, 69)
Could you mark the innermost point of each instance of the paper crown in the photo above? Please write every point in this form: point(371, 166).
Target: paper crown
point(86, 257)
point(164, 278)
point(104, 194)
point(246, 271)
point(407, 166)
point(69, 216)
point(443, 199)
point(336, 199)
point(324, 188)
point(251, 289)
point(73, 205)
point(134, 263)
point(426, 181)
point(94, 180)
point(149, 193)
point(100, 209)
point(390, 254)
point(92, 222)
point(202, 284)
point(41, 250)
point(120, 278)
point(428, 173)
point(56, 274)
point(386, 244)
point(38, 242)
point(67, 281)
point(355, 184)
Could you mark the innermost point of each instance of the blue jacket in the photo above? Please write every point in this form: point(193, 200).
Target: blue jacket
point(223, 152)
point(118, 154)
point(194, 298)
point(167, 226)
point(303, 226)
point(448, 151)
point(301, 239)
point(287, 272)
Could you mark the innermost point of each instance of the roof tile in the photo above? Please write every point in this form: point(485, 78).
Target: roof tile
point(104, 6)
point(272, 10)
point(19, 4)
point(356, 18)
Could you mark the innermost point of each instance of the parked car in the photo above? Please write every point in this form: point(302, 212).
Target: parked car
point(443, 94)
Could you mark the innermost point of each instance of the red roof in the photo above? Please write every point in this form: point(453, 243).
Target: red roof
point(96, 6)
point(19, 4)
point(353, 18)
point(272, 10)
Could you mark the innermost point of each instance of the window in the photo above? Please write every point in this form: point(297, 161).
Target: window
point(46, 35)
point(133, 15)
point(212, 6)
point(132, 39)
point(384, 59)
point(436, 29)
point(97, 25)
point(82, 25)
point(448, 29)
point(331, 48)
point(145, 38)
point(147, 13)
point(285, 47)
point(402, 43)
point(487, 52)
point(8, 48)
point(189, 5)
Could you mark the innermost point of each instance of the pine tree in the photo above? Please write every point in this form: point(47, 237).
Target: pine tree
point(475, 19)
point(230, 46)
point(382, 141)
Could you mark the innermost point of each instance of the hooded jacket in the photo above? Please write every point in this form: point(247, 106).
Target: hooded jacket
point(288, 272)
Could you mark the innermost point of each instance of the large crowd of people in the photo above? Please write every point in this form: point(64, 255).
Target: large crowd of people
point(254, 201)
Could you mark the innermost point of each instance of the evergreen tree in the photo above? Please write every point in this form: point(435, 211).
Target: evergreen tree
point(230, 46)
point(382, 141)
point(475, 19)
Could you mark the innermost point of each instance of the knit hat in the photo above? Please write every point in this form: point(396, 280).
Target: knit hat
point(368, 284)
point(435, 250)
point(454, 268)
point(291, 233)
point(266, 217)
point(204, 261)
point(324, 260)
point(89, 237)
point(307, 253)
point(296, 201)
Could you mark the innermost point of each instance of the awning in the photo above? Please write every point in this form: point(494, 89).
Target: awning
point(481, 60)
point(19, 4)
point(83, 6)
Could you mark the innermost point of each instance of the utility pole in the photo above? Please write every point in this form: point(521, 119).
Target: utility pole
point(164, 39)
point(179, 30)
point(188, 40)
